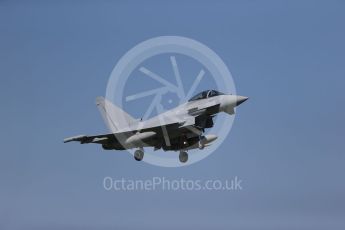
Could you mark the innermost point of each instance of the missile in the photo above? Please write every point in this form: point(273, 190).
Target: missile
point(75, 138)
point(139, 138)
point(205, 140)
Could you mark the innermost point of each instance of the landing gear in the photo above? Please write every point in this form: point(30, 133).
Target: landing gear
point(139, 154)
point(183, 157)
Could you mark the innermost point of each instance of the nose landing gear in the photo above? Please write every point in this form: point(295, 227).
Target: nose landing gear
point(183, 157)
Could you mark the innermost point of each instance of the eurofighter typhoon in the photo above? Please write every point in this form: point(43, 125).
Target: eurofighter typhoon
point(179, 129)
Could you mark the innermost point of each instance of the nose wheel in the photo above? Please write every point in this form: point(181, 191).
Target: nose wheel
point(183, 156)
point(139, 155)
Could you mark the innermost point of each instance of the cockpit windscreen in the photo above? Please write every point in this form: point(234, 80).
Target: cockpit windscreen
point(206, 94)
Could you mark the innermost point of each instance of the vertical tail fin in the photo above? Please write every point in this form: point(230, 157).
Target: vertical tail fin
point(114, 117)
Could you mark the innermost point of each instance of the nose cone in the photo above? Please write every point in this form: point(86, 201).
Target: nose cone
point(240, 100)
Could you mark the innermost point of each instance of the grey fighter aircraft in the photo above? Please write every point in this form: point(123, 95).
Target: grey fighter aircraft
point(178, 129)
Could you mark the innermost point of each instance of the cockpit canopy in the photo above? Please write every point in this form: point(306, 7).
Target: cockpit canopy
point(206, 94)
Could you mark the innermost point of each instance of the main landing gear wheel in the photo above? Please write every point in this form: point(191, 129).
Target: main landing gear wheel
point(183, 157)
point(139, 155)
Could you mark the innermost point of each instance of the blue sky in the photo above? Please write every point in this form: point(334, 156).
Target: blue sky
point(287, 141)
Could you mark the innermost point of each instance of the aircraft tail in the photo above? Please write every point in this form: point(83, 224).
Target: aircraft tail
point(114, 117)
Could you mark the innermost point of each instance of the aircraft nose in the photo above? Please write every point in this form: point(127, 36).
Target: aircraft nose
point(240, 100)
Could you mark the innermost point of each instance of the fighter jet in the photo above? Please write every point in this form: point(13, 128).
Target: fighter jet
point(179, 129)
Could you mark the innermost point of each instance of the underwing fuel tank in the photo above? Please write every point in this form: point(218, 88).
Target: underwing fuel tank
point(139, 138)
point(206, 140)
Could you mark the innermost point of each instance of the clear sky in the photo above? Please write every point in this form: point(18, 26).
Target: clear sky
point(287, 141)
